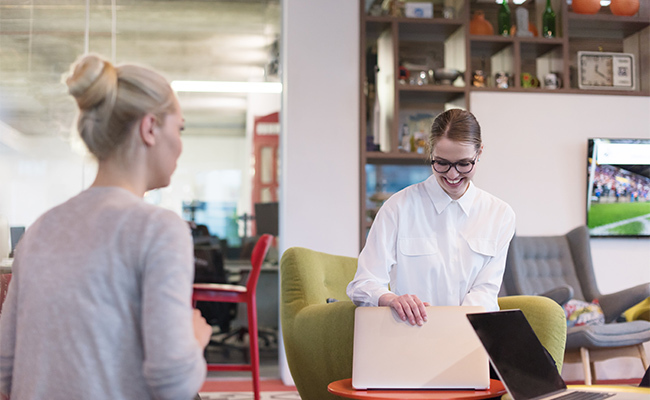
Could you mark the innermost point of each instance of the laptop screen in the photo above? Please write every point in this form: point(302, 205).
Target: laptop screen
point(525, 367)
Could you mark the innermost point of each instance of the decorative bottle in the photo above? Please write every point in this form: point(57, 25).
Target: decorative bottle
point(548, 21)
point(376, 122)
point(373, 134)
point(504, 19)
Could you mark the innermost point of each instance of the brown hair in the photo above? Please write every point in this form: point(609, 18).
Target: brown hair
point(112, 100)
point(457, 125)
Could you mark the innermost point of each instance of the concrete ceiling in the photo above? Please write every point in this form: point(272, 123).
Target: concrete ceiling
point(185, 40)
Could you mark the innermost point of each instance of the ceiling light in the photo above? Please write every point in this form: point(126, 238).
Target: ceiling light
point(227, 87)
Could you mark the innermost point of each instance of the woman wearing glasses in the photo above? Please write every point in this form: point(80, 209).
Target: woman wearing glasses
point(441, 242)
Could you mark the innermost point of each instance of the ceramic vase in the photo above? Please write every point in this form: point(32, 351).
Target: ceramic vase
point(479, 25)
point(586, 6)
point(624, 7)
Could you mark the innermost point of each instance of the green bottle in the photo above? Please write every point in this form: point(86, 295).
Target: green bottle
point(503, 19)
point(548, 21)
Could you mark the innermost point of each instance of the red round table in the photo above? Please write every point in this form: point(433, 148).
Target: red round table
point(343, 388)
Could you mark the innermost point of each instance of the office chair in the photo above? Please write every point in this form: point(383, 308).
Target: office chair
point(4, 286)
point(318, 335)
point(550, 265)
point(216, 292)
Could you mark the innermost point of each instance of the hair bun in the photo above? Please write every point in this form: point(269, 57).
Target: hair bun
point(91, 81)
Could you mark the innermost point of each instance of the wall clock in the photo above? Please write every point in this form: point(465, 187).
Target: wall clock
point(601, 70)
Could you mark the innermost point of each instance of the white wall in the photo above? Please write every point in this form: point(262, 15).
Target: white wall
point(39, 175)
point(535, 159)
point(319, 202)
point(320, 126)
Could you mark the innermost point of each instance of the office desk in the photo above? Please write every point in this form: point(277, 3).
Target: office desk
point(343, 388)
point(5, 265)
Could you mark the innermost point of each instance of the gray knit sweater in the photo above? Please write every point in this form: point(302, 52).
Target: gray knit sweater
point(99, 305)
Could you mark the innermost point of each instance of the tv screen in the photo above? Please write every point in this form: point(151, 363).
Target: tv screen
point(618, 187)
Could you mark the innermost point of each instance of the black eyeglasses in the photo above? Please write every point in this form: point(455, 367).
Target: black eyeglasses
point(463, 167)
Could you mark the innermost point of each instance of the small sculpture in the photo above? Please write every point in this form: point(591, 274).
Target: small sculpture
point(502, 80)
point(478, 78)
point(522, 23)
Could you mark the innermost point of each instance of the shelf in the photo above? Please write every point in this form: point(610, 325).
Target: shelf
point(375, 28)
point(606, 92)
point(604, 26)
point(537, 47)
point(430, 43)
point(428, 93)
point(396, 158)
point(415, 29)
point(489, 45)
point(427, 30)
point(518, 90)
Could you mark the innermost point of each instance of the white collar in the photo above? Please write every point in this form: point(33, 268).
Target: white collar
point(441, 199)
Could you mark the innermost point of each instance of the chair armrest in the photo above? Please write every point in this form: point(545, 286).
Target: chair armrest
point(560, 294)
point(546, 318)
point(614, 304)
point(318, 346)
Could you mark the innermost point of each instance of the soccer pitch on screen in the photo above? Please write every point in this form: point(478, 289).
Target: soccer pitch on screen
point(608, 213)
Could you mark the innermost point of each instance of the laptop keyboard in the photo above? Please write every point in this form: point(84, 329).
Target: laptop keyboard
point(584, 395)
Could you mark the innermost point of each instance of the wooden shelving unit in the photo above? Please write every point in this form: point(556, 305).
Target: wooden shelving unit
point(395, 40)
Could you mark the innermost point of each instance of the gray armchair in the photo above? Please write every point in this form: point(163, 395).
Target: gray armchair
point(560, 267)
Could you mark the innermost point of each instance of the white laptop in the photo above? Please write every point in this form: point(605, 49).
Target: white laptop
point(525, 367)
point(444, 353)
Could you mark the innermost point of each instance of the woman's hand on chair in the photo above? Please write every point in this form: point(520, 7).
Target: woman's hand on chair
point(202, 331)
point(408, 307)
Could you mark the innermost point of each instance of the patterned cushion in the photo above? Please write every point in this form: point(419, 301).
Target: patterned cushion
point(580, 312)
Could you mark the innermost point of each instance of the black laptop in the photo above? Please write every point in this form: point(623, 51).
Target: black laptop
point(526, 369)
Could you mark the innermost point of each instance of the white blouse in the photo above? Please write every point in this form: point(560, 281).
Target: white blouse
point(447, 252)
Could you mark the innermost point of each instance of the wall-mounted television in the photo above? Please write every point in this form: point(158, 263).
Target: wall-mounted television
point(618, 187)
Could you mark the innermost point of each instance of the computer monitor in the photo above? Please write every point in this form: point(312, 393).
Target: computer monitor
point(266, 218)
point(16, 232)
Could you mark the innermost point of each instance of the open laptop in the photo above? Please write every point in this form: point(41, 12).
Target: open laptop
point(526, 369)
point(444, 353)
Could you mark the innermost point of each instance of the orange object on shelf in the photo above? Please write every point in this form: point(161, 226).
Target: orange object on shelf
point(479, 25)
point(531, 28)
point(586, 6)
point(624, 7)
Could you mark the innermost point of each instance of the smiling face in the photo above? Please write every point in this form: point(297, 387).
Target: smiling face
point(455, 184)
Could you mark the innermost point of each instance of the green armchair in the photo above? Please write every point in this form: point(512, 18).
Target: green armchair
point(318, 335)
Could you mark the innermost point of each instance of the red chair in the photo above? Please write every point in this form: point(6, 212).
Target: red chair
point(217, 292)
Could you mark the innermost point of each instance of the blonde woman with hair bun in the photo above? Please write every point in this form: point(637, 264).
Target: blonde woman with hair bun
point(99, 305)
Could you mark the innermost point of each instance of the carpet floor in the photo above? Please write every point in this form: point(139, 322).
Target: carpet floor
point(249, 396)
